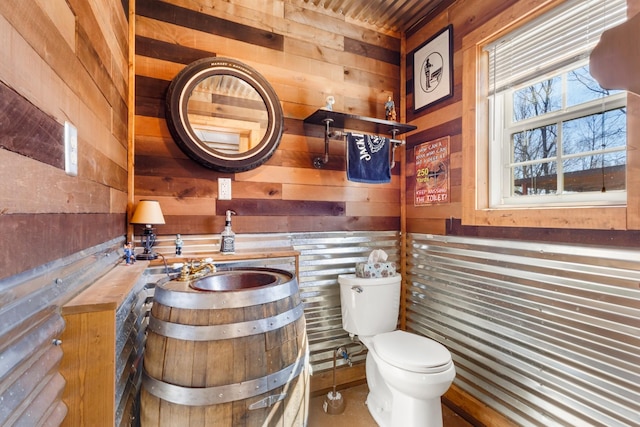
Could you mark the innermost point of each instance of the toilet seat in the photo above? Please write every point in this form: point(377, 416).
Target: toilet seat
point(412, 352)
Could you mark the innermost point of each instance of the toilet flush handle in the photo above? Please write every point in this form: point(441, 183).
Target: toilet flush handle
point(356, 289)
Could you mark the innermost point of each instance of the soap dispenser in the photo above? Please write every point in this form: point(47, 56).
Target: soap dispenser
point(228, 237)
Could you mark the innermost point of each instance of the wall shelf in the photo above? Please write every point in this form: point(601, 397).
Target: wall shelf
point(329, 118)
point(360, 123)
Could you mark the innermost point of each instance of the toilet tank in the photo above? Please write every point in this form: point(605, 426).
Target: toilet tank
point(369, 306)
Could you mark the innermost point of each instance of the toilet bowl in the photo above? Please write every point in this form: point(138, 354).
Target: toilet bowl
point(406, 392)
point(406, 373)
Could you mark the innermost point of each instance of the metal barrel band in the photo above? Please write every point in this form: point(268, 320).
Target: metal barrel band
point(204, 396)
point(227, 299)
point(268, 401)
point(226, 331)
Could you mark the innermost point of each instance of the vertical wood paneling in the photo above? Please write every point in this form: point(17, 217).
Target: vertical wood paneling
point(306, 55)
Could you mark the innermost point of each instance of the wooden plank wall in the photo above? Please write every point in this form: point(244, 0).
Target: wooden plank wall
point(306, 54)
point(63, 60)
point(445, 119)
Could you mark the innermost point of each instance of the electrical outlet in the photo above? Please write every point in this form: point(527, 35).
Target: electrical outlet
point(70, 149)
point(224, 188)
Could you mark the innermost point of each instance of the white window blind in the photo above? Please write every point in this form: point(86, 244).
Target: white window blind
point(551, 41)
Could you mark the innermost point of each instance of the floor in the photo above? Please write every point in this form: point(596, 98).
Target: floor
point(356, 413)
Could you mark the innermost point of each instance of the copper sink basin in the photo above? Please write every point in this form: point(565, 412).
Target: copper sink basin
point(239, 279)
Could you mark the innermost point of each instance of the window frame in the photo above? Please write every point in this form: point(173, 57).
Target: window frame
point(502, 127)
point(476, 208)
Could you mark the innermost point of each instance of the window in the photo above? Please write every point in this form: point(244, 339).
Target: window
point(556, 137)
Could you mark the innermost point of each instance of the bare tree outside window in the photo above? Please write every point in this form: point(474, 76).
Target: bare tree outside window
point(574, 144)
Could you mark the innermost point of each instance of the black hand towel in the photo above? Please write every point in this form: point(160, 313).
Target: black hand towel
point(368, 159)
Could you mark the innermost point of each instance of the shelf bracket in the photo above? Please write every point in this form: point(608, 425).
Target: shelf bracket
point(394, 144)
point(319, 162)
point(364, 124)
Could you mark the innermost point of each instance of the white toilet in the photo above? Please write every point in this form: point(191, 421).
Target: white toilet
point(406, 373)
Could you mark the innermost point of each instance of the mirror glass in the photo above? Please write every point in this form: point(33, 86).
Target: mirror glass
point(227, 114)
point(224, 115)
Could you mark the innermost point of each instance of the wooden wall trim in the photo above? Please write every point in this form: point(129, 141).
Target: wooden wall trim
point(131, 117)
point(473, 410)
point(90, 343)
point(633, 161)
point(573, 236)
point(346, 377)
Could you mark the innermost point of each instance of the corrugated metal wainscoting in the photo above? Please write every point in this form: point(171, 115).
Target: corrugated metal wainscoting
point(132, 319)
point(323, 256)
point(31, 385)
point(548, 335)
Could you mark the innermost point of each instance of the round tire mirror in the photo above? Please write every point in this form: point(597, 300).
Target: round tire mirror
point(224, 115)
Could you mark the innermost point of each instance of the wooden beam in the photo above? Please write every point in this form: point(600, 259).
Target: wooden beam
point(471, 409)
point(131, 115)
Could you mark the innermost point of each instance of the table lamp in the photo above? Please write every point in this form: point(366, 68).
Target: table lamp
point(148, 212)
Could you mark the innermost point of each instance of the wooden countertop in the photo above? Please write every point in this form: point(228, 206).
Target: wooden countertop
point(108, 292)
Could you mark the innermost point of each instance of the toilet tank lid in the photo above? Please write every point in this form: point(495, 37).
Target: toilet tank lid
point(411, 352)
point(353, 280)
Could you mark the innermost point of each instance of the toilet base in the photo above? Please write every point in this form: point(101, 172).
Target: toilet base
point(409, 412)
point(391, 408)
point(381, 416)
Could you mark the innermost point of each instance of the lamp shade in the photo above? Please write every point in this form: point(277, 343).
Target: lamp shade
point(148, 212)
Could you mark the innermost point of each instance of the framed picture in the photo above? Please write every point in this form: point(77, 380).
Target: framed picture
point(433, 70)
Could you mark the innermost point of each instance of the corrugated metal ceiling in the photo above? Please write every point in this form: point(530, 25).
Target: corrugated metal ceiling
point(394, 15)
